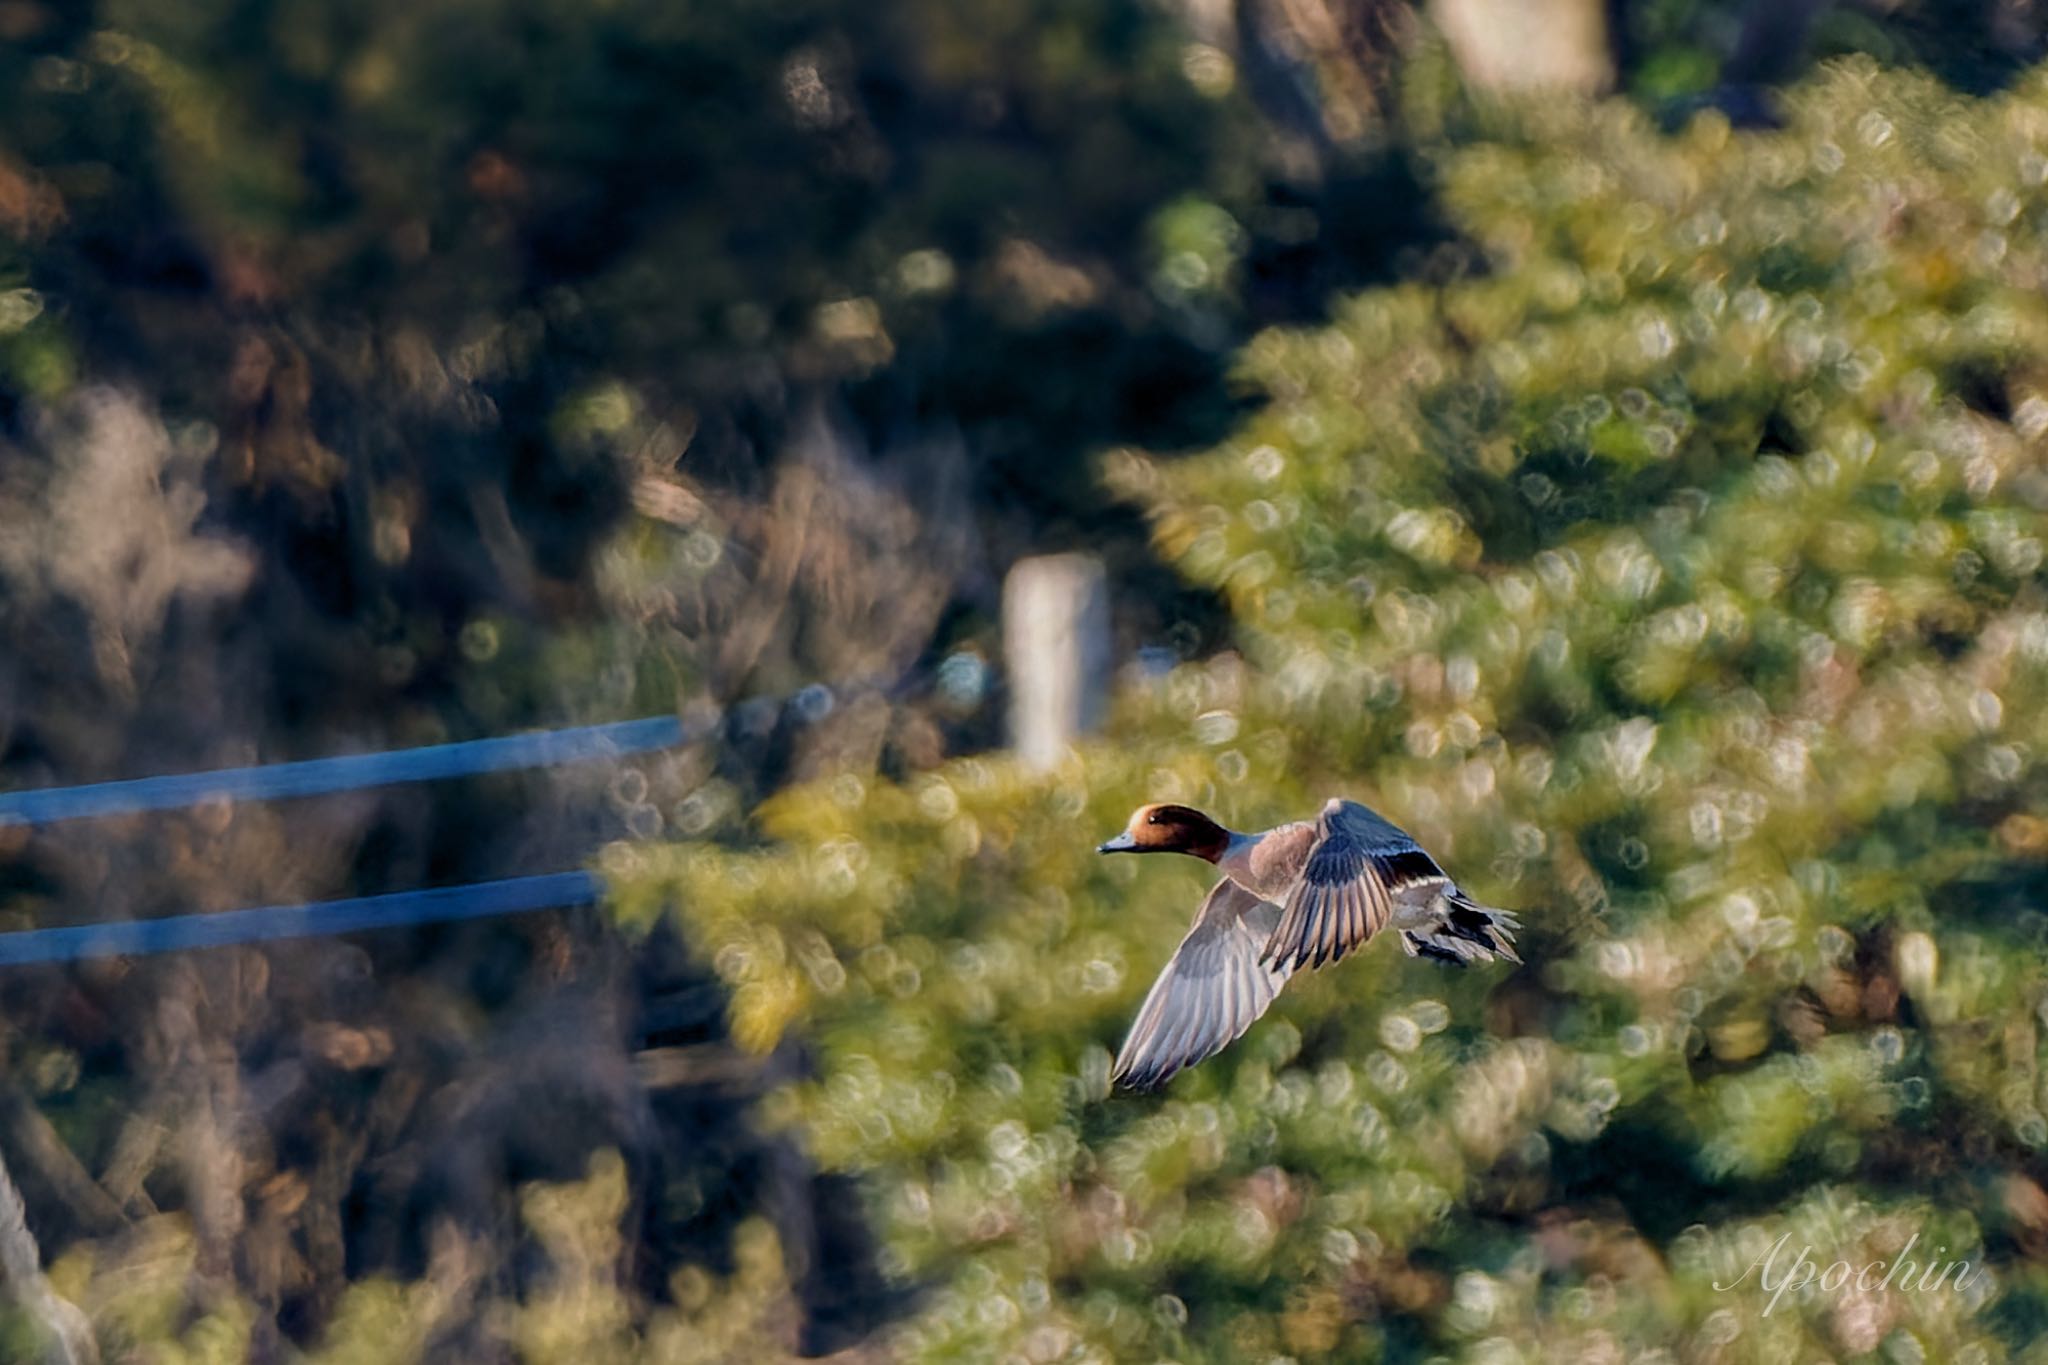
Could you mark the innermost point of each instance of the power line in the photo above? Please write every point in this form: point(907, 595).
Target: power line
point(510, 896)
point(312, 777)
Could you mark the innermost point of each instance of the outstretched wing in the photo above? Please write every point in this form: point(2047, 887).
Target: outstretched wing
point(1211, 991)
point(1346, 892)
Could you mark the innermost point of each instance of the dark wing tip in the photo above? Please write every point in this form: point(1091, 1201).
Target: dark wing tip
point(1147, 1070)
point(1135, 1083)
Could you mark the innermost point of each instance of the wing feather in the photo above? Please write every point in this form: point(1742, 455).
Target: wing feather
point(1345, 893)
point(1211, 991)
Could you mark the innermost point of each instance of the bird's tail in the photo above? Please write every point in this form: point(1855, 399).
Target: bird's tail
point(1465, 932)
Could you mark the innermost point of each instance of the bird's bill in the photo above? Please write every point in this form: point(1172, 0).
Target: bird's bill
point(1123, 843)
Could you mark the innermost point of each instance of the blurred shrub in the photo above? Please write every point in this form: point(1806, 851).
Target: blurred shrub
point(1674, 573)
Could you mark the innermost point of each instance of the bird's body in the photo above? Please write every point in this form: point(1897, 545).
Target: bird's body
point(1300, 894)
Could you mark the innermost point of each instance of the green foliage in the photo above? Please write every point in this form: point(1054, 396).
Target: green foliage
point(1675, 575)
point(1686, 47)
point(496, 362)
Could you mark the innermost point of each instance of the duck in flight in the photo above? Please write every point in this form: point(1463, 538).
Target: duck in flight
point(1298, 895)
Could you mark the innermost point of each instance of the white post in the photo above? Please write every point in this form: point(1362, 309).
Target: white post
point(1056, 647)
point(1544, 46)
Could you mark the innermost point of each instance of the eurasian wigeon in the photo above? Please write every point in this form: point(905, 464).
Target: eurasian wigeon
point(1300, 894)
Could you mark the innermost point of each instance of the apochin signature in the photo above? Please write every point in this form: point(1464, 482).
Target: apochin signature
point(1872, 1277)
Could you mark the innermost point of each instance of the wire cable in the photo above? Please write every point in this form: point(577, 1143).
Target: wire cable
point(313, 777)
point(510, 896)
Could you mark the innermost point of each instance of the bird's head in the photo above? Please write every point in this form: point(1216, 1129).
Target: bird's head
point(1166, 828)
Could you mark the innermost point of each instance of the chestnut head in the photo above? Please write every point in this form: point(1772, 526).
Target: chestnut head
point(1165, 828)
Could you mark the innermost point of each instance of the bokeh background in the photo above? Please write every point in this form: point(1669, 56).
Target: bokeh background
point(1611, 438)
